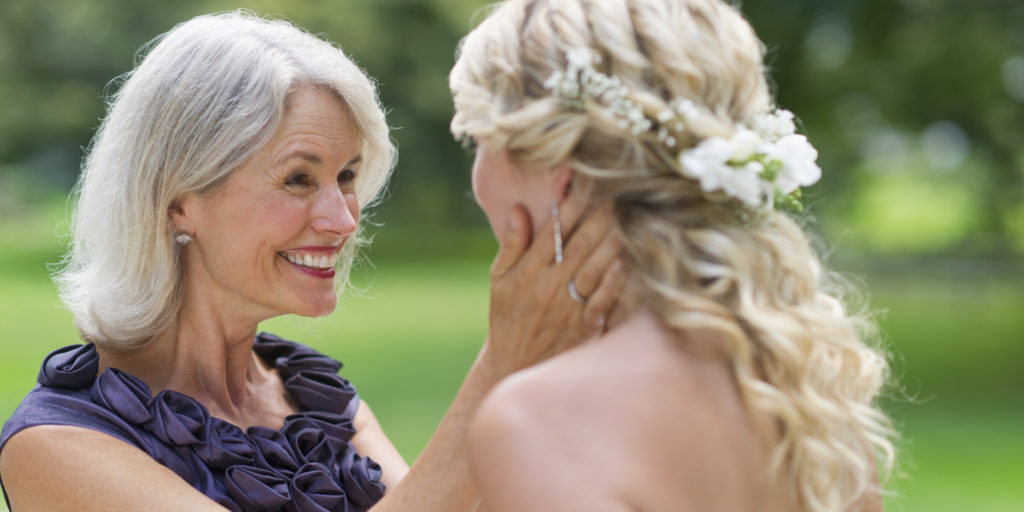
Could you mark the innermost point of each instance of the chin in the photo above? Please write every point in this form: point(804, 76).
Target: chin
point(325, 310)
point(317, 308)
point(323, 313)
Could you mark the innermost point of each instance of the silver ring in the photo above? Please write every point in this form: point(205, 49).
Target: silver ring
point(575, 294)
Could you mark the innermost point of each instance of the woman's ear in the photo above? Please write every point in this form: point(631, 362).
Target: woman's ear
point(179, 216)
point(562, 181)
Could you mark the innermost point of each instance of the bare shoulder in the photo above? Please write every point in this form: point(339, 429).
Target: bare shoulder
point(54, 468)
point(521, 459)
point(651, 424)
point(560, 435)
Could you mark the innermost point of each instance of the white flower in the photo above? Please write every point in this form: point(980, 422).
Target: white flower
point(754, 165)
point(580, 58)
point(745, 144)
point(685, 108)
point(798, 160)
point(708, 163)
point(744, 183)
point(775, 125)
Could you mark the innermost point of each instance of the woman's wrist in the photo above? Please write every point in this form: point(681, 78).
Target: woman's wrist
point(493, 364)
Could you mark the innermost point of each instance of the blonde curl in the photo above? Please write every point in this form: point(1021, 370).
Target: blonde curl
point(798, 354)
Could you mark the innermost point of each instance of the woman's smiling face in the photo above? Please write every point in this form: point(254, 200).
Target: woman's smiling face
point(266, 240)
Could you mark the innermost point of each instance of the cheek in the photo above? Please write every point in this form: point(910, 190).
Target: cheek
point(277, 219)
point(352, 203)
point(266, 226)
point(488, 186)
point(474, 179)
point(486, 193)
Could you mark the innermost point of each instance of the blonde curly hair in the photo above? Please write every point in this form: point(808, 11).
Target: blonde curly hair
point(798, 354)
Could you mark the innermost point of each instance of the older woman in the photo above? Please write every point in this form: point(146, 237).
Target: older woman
point(224, 188)
point(730, 378)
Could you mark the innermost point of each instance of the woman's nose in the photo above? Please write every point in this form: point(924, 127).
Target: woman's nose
point(336, 213)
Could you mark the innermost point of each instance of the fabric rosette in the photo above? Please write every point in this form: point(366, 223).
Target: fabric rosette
point(71, 367)
point(312, 489)
point(178, 419)
point(256, 489)
point(309, 443)
point(315, 489)
point(337, 428)
point(290, 358)
point(124, 394)
point(306, 466)
point(361, 478)
point(310, 377)
point(316, 390)
point(273, 451)
point(227, 445)
point(305, 361)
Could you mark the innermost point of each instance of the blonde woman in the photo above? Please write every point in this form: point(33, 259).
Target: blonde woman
point(223, 188)
point(730, 378)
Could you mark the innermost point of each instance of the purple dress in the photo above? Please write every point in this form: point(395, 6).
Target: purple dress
point(308, 465)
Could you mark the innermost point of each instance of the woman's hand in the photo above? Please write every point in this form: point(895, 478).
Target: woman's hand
point(533, 316)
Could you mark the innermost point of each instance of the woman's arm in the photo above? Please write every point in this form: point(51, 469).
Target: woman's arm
point(532, 317)
point(370, 441)
point(54, 468)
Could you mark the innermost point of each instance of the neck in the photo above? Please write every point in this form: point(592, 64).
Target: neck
point(710, 345)
point(205, 354)
point(628, 305)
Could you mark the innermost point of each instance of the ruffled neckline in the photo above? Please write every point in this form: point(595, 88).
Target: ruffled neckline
point(308, 465)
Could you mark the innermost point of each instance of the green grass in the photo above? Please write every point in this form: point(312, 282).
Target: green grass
point(957, 352)
point(408, 340)
point(958, 459)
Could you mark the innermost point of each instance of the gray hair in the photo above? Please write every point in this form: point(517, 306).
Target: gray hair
point(206, 96)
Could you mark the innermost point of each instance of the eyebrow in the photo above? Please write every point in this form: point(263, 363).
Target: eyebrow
point(314, 159)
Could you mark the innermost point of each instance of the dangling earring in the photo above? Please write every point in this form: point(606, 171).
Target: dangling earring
point(558, 233)
point(182, 238)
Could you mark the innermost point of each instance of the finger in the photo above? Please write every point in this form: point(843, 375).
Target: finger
point(570, 210)
point(591, 232)
point(596, 263)
point(514, 242)
point(604, 299)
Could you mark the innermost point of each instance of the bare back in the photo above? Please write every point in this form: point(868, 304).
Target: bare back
point(636, 420)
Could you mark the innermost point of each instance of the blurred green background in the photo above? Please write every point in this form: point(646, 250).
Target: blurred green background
point(916, 106)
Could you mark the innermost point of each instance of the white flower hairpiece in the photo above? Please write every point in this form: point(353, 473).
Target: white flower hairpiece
point(581, 81)
point(762, 166)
